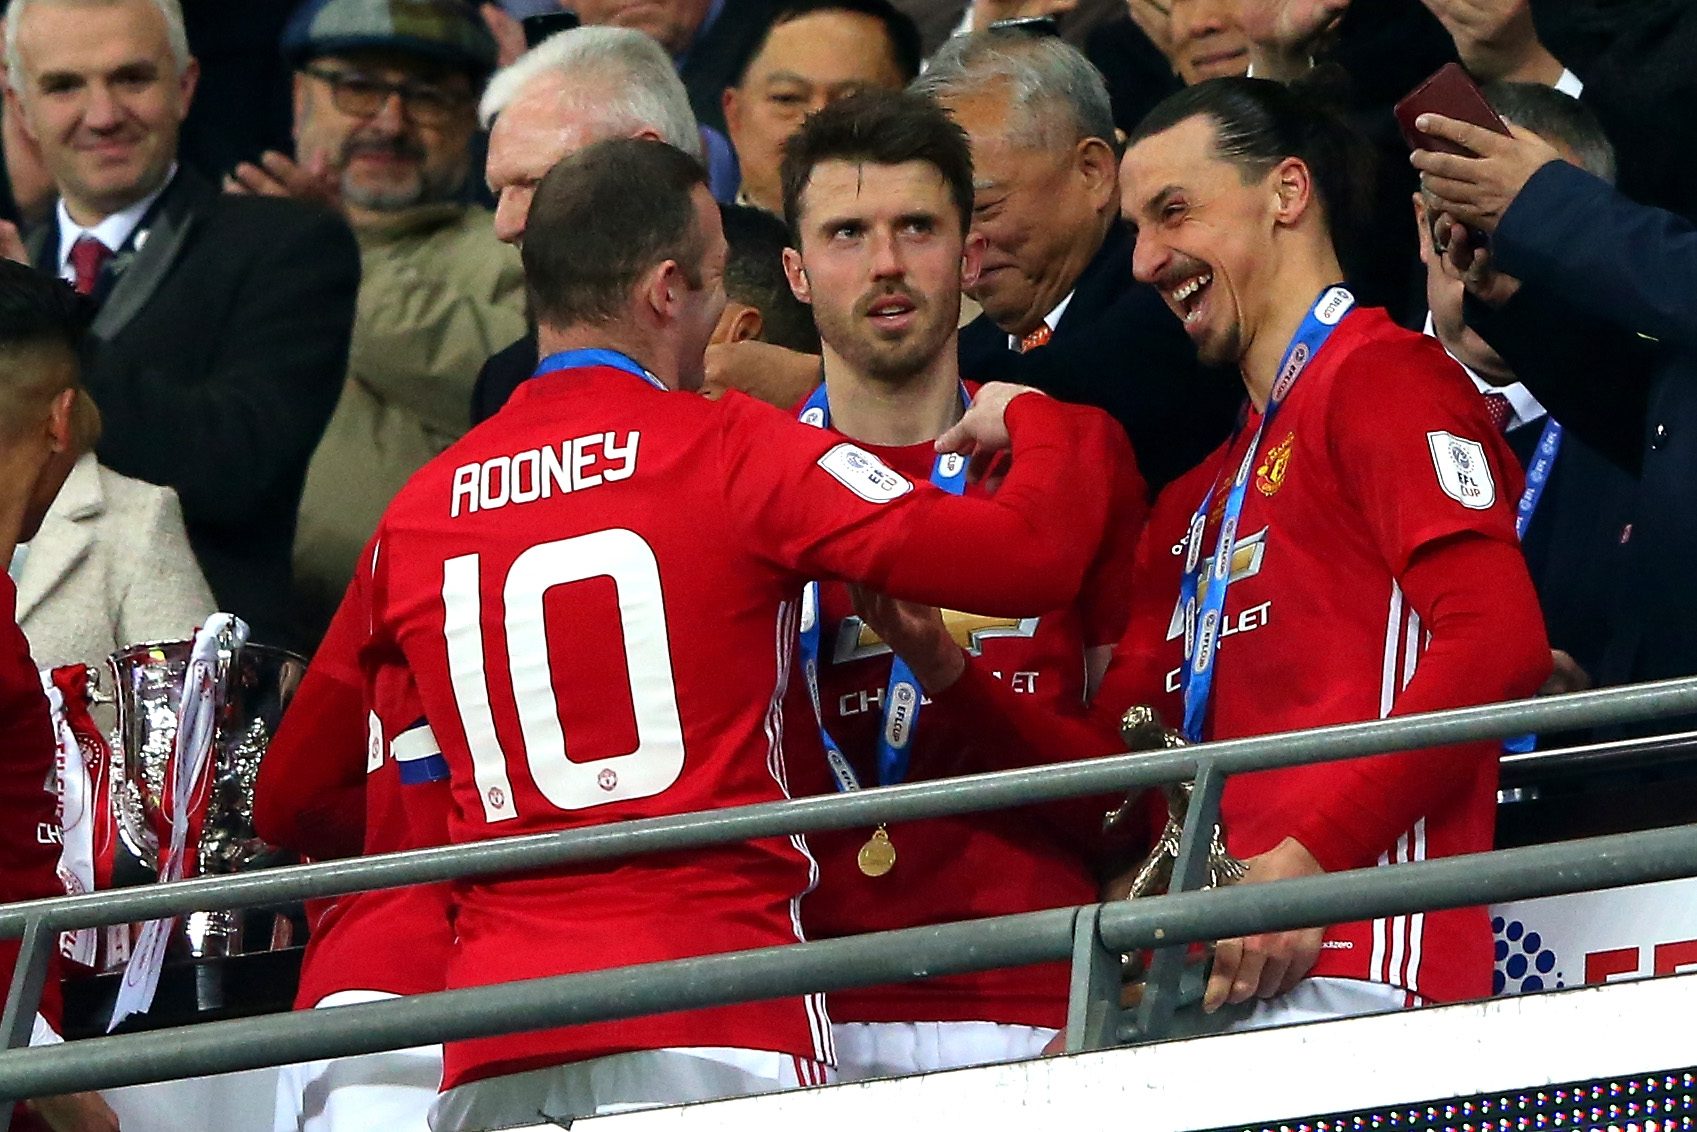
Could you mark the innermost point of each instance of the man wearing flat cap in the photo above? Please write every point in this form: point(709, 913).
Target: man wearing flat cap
point(222, 333)
point(385, 106)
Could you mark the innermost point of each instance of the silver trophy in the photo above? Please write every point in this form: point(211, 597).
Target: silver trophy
point(1141, 729)
point(252, 687)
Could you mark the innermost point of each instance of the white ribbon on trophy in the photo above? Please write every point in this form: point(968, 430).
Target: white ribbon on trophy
point(197, 718)
point(76, 824)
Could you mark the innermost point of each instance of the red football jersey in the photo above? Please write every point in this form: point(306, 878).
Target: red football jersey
point(29, 837)
point(597, 593)
point(338, 728)
point(1383, 449)
point(976, 865)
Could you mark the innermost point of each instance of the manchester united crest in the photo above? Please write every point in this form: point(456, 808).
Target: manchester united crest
point(1270, 475)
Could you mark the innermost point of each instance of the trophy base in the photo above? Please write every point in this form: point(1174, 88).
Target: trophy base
point(205, 990)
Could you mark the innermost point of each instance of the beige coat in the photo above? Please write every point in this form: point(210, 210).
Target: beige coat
point(111, 567)
point(438, 295)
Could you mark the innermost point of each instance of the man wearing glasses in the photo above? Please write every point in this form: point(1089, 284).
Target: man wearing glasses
point(385, 107)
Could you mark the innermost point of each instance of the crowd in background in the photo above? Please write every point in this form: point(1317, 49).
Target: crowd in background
point(228, 382)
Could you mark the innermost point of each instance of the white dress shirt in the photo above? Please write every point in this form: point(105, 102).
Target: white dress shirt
point(114, 231)
point(1051, 320)
point(1523, 407)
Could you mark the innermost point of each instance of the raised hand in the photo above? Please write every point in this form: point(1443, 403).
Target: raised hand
point(983, 431)
point(1496, 40)
point(279, 176)
point(508, 33)
point(1476, 191)
point(12, 244)
point(1284, 34)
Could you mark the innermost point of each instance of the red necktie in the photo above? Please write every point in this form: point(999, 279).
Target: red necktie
point(1038, 337)
point(88, 258)
point(1501, 411)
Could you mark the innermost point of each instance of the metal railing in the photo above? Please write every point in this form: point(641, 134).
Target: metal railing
point(1092, 937)
point(1529, 767)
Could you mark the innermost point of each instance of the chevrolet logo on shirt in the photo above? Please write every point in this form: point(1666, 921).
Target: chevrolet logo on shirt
point(1247, 555)
point(856, 640)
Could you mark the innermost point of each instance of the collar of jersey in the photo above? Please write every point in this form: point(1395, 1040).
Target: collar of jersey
point(584, 359)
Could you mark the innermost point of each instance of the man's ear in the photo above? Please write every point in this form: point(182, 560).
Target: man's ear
point(732, 109)
point(300, 95)
point(739, 322)
point(15, 107)
point(797, 275)
point(659, 291)
point(1423, 228)
point(971, 260)
point(59, 431)
point(1099, 169)
point(186, 83)
point(1293, 191)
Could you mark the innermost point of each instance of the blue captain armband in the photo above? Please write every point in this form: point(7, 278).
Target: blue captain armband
point(419, 755)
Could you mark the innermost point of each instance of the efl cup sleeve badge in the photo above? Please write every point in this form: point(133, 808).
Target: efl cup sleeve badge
point(864, 474)
point(1463, 471)
point(1270, 475)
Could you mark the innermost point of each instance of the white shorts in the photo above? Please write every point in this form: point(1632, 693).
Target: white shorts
point(391, 1091)
point(621, 1083)
point(42, 1033)
point(1316, 1000)
point(896, 1049)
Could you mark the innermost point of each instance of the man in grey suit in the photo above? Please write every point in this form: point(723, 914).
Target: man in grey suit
point(222, 336)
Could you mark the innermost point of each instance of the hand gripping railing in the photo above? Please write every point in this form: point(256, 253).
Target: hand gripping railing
point(1092, 936)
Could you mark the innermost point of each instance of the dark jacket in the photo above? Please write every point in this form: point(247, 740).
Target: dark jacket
point(216, 359)
point(1574, 545)
point(1118, 347)
point(1138, 76)
point(1635, 60)
point(1604, 333)
point(500, 375)
point(716, 58)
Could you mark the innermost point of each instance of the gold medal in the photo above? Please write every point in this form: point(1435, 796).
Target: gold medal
point(877, 856)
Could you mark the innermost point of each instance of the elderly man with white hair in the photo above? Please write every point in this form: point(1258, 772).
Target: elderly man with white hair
point(222, 335)
point(576, 88)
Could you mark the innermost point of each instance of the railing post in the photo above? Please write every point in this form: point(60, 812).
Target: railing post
point(1093, 1000)
point(29, 977)
point(1166, 970)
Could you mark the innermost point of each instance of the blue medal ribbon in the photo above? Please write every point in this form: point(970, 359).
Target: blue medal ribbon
point(1537, 478)
point(1538, 475)
point(582, 359)
point(1204, 608)
point(902, 698)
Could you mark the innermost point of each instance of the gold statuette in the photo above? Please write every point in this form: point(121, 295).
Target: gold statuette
point(877, 856)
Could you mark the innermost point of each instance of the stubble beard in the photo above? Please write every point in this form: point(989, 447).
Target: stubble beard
point(891, 362)
point(424, 186)
point(1224, 350)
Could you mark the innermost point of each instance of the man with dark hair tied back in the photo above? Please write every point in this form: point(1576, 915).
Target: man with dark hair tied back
point(1348, 554)
point(612, 567)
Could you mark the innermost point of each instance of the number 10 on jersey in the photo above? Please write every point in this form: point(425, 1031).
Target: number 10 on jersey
point(658, 759)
